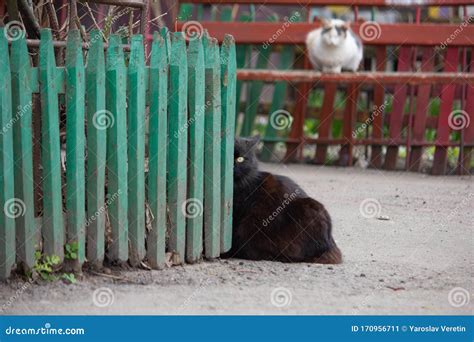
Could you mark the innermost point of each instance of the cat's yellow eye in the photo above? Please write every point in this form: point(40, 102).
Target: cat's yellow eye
point(240, 159)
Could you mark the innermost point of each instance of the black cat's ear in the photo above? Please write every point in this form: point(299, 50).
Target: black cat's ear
point(253, 141)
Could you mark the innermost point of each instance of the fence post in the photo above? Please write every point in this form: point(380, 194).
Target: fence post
point(116, 124)
point(228, 84)
point(212, 158)
point(23, 150)
point(157, 146)
point(75, 178)
point(136, 151)
point(96, 150)
point(194, 208)
point(440, 158)
point(53, 222)
point(10, 206)
point(177, 158)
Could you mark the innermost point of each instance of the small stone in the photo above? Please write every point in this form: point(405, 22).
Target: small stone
point(383, 218)
point(330, 268)
point(362, 275)
point(241, 263)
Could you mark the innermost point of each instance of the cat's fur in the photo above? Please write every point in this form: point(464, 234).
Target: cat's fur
point(334, 47)
point(273, 218)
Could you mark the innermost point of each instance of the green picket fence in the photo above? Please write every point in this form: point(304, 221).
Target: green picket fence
point(149, 150)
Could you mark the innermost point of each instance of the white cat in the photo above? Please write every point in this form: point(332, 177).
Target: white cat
point(334, 47)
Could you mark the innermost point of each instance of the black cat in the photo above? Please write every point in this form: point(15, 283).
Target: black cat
point(274, 219)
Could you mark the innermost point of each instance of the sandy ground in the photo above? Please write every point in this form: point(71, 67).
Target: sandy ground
point(419, 261)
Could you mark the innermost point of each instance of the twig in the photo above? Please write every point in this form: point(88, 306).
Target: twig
point(155, 8)
point(107, 275)
point(81, 29)
point(94, 21)
point(130, 23)
point(30, 21)
point(158, 18)
point(53, 19)
point(247, 271)
point(12, 9)
point(72, 13)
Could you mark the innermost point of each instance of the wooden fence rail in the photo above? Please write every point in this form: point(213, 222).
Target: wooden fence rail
point(148, 157)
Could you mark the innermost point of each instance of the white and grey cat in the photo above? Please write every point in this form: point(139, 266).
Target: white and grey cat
point(334, 47)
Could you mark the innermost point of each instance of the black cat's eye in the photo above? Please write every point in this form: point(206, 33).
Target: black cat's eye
point(240, 159)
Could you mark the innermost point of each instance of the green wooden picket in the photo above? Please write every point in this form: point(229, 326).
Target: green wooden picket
point(136, 151)
point(11, 206)
point(53, 222)
point(157, 146)
point(96, 150)
point(194, 224)
point(255, 89)
point(243, 54)
point(228, 88)
point(212, 141)
point(185, 12)
point(287, 56)
point(200, 12)
point(226, 13)
point(177, 145)
point(23, 150)
point(115, 121)
point(75, 145)
point(165, 35)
